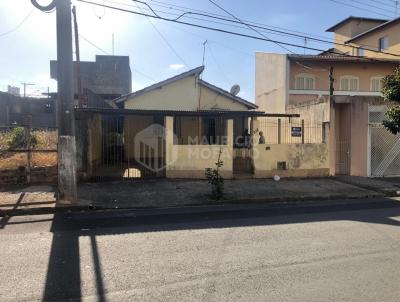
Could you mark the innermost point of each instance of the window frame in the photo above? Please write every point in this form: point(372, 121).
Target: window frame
point(378, 77)
point(381, 43)
point(305, 76)
point(349, 78)
point(361, 52)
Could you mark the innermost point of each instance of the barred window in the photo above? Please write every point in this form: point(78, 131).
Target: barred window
point(305, 82)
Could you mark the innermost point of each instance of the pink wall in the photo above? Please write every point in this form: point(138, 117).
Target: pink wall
point(365, 71)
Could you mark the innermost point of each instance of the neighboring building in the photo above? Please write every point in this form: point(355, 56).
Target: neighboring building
point(199, 123)
point(108, 77)
point(283, 80)
point(15, 111)
point(358, 144)
point(14, 90)
point(352, 27)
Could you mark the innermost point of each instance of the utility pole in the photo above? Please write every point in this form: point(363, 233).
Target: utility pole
point(67, 178)
point(26, 84)
point(331, 82)
point(78, 57)
point(332, 124)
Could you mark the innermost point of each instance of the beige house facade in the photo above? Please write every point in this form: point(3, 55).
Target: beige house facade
point(353, 114)
point(179, 127)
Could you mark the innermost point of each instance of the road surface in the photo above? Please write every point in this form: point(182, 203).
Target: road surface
point(340, 252)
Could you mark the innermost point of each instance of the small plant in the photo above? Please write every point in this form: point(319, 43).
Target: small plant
point(17, 139)
point(215, 179)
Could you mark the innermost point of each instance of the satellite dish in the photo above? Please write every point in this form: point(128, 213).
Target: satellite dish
point(235, 89)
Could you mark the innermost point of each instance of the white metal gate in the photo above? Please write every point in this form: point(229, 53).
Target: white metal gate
point(384, 148)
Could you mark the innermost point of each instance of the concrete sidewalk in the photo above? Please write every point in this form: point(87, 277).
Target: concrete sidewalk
point(29, 199)
point(162, 193)
point(167, 193)
point(386, 186)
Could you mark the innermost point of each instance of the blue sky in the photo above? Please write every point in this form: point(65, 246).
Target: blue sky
point(26, 51)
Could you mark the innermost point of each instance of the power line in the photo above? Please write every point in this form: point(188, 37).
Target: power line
point(303, 36)
point(224, 75)
point(253, 23)
point(107, 53)
point(361, 8)
point(372, 6)
point(186, 14)
point(94, 45)
point(165, 39)
point(19, 24)
point(231, 32)
point(249, 26)
point(272, 31)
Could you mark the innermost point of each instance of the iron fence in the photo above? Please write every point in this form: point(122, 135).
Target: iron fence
point(292, 131)
point(27, 152)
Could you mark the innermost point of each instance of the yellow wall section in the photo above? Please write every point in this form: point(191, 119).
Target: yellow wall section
point(212, 100)
point(372, 41)
point(183, 95)
point(179, 95)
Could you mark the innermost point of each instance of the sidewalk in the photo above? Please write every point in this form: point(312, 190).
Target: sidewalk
point(162, 193)
point(387, 186)
point(29, 200)
point(168, 193)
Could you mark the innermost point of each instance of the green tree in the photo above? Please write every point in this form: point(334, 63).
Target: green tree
point(391, 93)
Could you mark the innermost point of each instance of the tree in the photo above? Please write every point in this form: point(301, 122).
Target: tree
point(391, 93)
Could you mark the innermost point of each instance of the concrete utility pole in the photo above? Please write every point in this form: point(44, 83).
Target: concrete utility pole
point(67, 178)
point(77, 57)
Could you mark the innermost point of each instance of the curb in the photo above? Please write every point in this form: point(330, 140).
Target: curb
point(273, 201)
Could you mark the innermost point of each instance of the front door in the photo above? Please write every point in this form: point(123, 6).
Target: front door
point(343, 139)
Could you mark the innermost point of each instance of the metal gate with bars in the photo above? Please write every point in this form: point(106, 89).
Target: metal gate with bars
point(385, 152)
point(384, 147)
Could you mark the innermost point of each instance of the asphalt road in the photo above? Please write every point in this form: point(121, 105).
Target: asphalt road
point(342, 252)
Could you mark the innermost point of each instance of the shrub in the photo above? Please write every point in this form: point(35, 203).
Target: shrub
point(215, 179)
point(17, 139)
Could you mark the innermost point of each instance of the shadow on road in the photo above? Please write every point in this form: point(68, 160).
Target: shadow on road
point(63, 275)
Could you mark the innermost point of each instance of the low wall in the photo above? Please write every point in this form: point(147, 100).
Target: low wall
point(19, 176)
point(309, 160)
point(190, 161)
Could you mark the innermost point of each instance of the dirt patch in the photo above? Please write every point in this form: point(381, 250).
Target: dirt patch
point(46, 140)
point(13, 160)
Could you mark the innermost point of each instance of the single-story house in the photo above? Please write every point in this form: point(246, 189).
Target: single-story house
point(179, 127)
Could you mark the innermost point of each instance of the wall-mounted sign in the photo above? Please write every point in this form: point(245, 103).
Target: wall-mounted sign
point(296, 131)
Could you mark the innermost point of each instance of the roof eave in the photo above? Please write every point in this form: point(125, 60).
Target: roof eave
point(193, 72)
point(334, 27)
point(248, 104)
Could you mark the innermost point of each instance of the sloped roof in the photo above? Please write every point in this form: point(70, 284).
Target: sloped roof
point(228, 94)
point(193, 72)
point(381, 26)
point(341, 58)
point(351, 18)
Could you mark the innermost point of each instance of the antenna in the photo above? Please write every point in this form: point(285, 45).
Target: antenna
point(113, 44)
point(26, 84)
point(396, 3)
point(235, 89)
point(204, 51)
